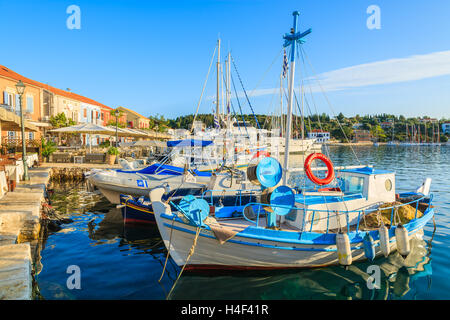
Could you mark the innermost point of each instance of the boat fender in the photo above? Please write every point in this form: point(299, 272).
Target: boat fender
point(385, 248)
point(402, 238)
point(343, 249)
point(369, 247)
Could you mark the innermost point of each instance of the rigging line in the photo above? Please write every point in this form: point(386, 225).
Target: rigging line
point(314, 102)
point(329, 103)
point(310, 114)
point(245, 92)
point(265, 73)
point(203, 89)
point(320, 126)
point(239, 104)
point(327, 150)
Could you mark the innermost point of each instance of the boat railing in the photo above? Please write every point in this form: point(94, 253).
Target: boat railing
point(238, 192)
point(333, 213)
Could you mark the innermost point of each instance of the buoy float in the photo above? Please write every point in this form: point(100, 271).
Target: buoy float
point(402, 238)
point(328, 163)
point(343, 249)
point(369, 247)
point(383, 233)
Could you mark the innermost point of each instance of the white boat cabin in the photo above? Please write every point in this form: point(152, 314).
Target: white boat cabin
point(360, 189)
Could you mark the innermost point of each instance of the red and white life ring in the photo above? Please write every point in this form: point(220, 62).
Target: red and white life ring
point(328, 163)
point(261, 153)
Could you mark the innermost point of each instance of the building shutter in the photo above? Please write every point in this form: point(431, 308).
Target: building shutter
point(5, 97)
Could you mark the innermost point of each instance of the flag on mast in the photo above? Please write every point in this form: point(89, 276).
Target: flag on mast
point(216, 122)
point(285, 64)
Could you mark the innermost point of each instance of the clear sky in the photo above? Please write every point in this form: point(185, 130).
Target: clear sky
point(153, 56)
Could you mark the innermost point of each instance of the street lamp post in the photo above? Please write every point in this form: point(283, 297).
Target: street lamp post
point(117, 114)
point(20, 86)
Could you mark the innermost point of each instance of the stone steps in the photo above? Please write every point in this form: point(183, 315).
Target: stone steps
point(20, 223)
point(15, 272)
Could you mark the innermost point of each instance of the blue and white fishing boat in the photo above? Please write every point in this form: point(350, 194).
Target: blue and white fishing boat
point(352, 214)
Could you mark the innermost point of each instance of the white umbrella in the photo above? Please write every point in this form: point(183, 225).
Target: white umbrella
point(88, 128)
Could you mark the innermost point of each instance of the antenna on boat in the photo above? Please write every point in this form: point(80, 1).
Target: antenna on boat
point(291, 39)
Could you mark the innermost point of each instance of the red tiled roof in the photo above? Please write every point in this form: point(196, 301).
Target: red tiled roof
point(6, 72)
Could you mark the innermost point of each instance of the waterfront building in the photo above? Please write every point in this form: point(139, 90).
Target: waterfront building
point(361, 136)
point(446, 127)
point(319, 135)
point(42, 101)
point(135, 120)
point(386, 125)
point(10, 113)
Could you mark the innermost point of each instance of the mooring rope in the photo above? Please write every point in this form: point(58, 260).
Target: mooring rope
point(191, 252)
point(168, 249)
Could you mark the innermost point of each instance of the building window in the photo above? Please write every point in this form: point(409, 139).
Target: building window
point(31, 135)
point(30, 104)
point(11, 135)
point(8, 98)
point(84, 113)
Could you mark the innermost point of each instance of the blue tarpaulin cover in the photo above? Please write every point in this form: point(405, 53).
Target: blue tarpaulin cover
point(189, 143)
point(166, 170)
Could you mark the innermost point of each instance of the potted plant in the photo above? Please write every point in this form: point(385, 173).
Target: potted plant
point(48, 147)
point(113, 152)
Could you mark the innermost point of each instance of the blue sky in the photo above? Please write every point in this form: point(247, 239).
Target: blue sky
point(153, 56)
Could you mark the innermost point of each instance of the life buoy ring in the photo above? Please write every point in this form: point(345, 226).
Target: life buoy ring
point(328, 163)
point(261, 153)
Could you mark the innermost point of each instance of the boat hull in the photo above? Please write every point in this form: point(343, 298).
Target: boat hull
point(250, 250)
point(112, 187)
point(134, 212)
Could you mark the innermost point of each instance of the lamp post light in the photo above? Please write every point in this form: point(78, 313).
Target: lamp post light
point(117, 114)
point(20, 86)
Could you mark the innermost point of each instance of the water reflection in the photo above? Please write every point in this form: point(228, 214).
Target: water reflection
point(125, 262)
point(336, 282)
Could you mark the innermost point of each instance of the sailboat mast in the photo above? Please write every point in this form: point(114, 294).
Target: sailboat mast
point(228, 90)
point(291, 39)
point(218, 82)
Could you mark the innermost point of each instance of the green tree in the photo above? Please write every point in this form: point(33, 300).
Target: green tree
point(60, 121)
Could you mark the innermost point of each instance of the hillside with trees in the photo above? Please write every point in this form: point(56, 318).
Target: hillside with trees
point(335, 125)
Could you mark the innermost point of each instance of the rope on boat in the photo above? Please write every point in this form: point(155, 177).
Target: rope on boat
point(191, 252)
point(168, 250)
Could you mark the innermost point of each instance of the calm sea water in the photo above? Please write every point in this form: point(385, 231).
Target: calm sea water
point(125, 263)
